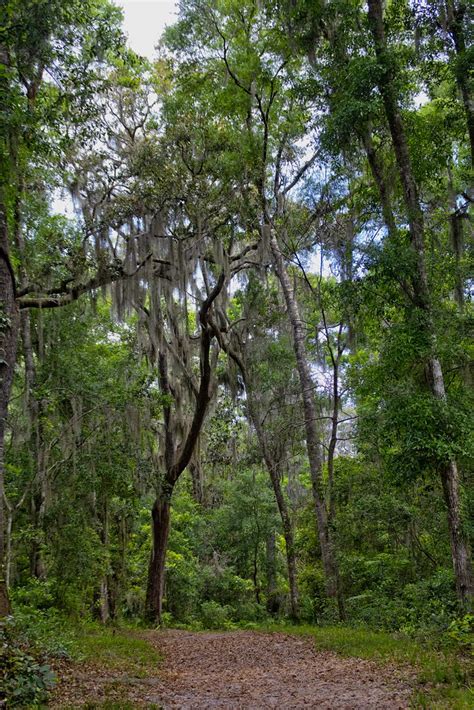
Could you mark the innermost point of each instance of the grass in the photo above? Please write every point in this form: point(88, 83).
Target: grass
point(117, 649)
point(443, 676)
point(119, 658)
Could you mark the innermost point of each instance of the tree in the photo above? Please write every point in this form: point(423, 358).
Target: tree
point(363, 60)
point(38, 38)
point(269, 389)
point(272, 115)
point(422, 297)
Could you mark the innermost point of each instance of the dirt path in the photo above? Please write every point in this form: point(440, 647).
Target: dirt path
point(250, 670)
point(242, 670)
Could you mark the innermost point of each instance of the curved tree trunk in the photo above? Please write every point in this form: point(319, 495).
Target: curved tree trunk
point(275, 480)
point(313, 444)
point(330, 464)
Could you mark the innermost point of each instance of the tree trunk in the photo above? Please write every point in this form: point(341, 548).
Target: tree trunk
point(330, 464)
point(9, 326)
point(455, 17)
point(461, 555)
point(379, 177)
point(104, 592)
point(197, 481)
point(38, 565)
point(273, 604)
point(256, 587)
point(177, 458)
point(289, 541)
point(312, 441)
point(460, 550)
point(104, 613)
point(8, 544)
point(156, 572)
point(275, 479)
point(34, 405)
point(457, 243)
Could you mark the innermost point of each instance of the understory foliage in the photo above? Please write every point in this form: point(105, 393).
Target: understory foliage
point(235, 321)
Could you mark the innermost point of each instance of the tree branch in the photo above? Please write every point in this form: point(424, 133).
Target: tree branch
point(202, 401)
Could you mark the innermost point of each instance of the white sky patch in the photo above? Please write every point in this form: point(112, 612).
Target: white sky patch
point(421, 99)
point(144, 22)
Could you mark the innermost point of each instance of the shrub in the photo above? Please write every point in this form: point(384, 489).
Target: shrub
point(35, 593)
point(215, 616)
point(26, 677)
point(461, 631)
point(44, 630)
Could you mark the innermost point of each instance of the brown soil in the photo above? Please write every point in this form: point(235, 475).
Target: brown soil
point(255, 670)
point(247, 671)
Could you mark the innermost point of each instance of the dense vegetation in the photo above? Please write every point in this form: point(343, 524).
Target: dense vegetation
point(234, 294)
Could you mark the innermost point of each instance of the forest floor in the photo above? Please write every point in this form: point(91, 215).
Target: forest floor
point(230, 669)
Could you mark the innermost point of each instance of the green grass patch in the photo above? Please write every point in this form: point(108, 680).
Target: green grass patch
point(444, 677)
point(121, 657)
point(116, 649)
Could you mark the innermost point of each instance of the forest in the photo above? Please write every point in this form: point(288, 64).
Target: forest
point(236, 355)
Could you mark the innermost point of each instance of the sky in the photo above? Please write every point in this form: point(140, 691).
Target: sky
point(144, 21)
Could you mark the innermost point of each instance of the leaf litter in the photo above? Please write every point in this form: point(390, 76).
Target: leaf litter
point(238, 670)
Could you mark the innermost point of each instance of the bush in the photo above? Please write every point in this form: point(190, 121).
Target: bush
point(249, 611)
point(29, 640)
point(182, 586)
point(38, 624)
point(35, 593)
point(225, 586)
point(26, 677)
point(461, 631)
point(215, 616)
point(44, 630)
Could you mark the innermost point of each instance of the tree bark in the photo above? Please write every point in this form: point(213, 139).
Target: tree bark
point(455, 17)
point(156, 571)
point(9, 327)
point(313, 444)
point(461, 554)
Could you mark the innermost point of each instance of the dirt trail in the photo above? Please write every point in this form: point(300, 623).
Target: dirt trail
point(242, 669)
point(248, 670)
